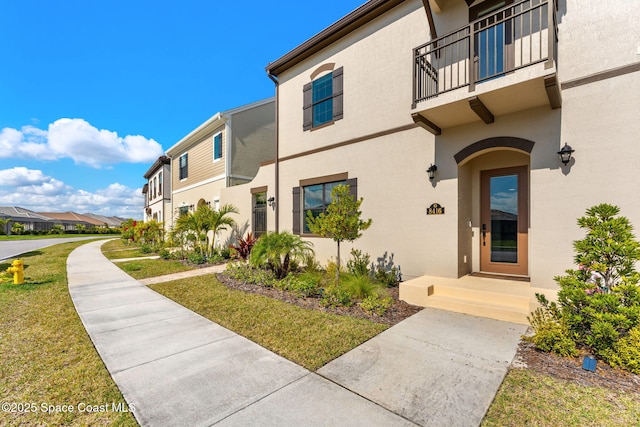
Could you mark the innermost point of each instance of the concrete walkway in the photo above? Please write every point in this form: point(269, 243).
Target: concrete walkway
point(178, 368)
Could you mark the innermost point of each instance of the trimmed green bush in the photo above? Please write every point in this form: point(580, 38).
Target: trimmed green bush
point(626, 352)
point(599, 302)
point(376, 304)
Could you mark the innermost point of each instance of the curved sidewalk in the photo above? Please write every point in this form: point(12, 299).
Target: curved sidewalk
point(177, 368)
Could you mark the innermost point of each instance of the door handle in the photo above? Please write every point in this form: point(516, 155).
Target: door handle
point(484, 234)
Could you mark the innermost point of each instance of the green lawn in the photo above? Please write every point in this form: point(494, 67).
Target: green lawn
point(46, 356)
point(143, 268)
point(309, 338)
point(118, 249)
point(527, 398)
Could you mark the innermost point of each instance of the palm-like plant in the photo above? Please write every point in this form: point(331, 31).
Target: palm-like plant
point(203, 220)
point(276, 251)
point(215, 220)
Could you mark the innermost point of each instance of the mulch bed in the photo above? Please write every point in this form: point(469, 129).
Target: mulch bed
point(399, 311)
point(570, 369)
point(527, 356)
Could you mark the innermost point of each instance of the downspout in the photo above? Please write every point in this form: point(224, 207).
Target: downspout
point(277, 160)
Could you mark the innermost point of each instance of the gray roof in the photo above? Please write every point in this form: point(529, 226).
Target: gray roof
point(22, 214)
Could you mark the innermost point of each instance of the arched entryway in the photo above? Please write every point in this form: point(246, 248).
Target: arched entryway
point(493, 184)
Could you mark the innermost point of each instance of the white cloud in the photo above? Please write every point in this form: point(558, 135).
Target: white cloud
point(33, 190)
point(20, 176)
point(79, 140)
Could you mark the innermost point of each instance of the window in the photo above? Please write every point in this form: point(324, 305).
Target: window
point(323, 100)
point(184, 166)
point(314, 195)
point(184, 210)
point(217, 146)
point(315, 199)
point(160, 184)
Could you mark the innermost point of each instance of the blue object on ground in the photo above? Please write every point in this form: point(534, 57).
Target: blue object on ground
point(589, 363)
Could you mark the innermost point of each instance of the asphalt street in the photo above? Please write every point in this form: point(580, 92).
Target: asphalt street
point(13, 248)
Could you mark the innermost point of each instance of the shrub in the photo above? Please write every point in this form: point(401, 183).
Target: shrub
point(279, 252)
point(334, 296)
point(196, 257)
point(56, 229)
point(305, 285)
point(330, 272)
point(626, 352)
point(360, 287)
point(550, 333)
point(358, 265)
point(599, 302)
point(145, 248)
point(310, 264)
point(164, 254)
point(244, 246)
point(225, 253)
point(376, 304)
point(389, 277)
point(246, 273)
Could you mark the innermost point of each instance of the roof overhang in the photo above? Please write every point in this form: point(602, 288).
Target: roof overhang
point(362, 15)
point(162, 160)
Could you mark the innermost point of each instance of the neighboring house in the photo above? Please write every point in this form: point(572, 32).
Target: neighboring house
point(70, 220)
point(32, 221)
point(157, 190)
point(225, 151)
point(105, 221)
point(447, 117)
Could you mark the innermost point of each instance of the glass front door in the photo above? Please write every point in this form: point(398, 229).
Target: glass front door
point(505, 222)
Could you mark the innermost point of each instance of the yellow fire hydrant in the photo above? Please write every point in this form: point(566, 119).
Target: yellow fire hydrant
point(17, 269)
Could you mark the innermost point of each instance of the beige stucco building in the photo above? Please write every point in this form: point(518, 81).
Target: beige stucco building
point(225, 151)
point(482, 95)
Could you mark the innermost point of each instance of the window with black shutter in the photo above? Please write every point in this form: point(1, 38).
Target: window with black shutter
point(315, 198)
point(322, 100)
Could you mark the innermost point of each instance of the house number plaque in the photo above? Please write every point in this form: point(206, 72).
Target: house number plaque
point(435, 209)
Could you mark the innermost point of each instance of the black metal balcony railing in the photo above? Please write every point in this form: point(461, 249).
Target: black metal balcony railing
point(513, 37)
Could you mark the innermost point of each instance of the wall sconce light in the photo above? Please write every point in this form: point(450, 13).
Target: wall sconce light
point(565, 154)
point(432, 171)
point(271, 200)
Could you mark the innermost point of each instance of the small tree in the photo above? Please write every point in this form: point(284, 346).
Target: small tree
point(341, 221)
point(599, 302)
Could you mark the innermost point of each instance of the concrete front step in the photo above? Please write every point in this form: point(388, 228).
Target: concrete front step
point(500, 299)
point(479, 308)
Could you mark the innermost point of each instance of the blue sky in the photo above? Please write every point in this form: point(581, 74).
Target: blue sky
point(92, 92)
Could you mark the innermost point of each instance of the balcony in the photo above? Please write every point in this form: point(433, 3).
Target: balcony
point(501, 63)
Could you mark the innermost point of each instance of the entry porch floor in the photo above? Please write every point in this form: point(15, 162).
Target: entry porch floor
point(495, 298)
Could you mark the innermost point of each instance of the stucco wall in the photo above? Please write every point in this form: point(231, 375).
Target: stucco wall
point(376, 60)
point(596, 36)
point(240, 196)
